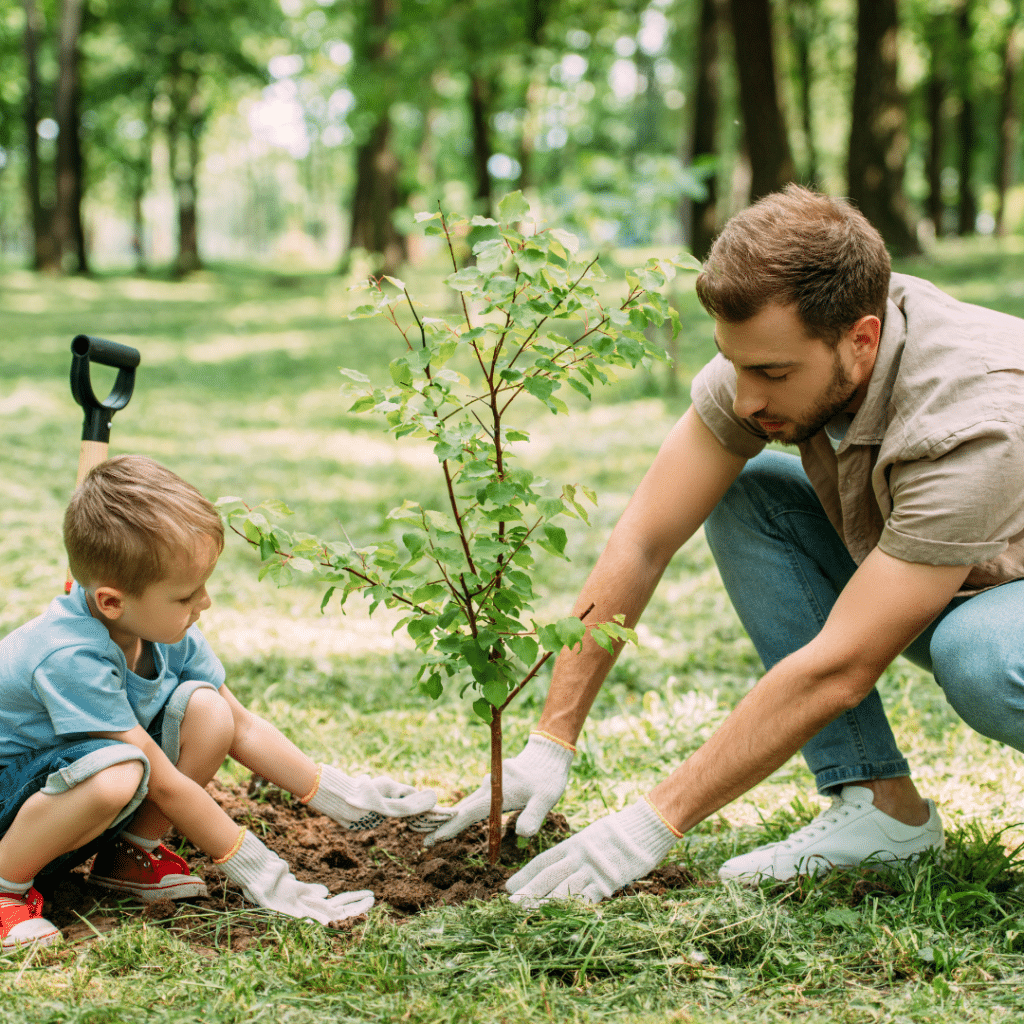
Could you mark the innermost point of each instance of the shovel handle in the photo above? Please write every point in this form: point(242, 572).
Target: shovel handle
point(96, 425)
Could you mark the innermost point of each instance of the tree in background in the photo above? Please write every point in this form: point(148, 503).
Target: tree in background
point(68, 231)
point(878, 132)
point(764, 126)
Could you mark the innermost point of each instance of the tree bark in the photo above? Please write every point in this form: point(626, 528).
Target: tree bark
point(967, 201)
point(376, 192)
point(771, 162)
point(935, 99)
point(1009, 119)
point(699, 216)
point(802, 18)
point(44, 255)
point(878, 131)
point(480, 92)
point(68, 231)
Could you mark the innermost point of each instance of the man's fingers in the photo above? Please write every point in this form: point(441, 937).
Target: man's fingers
point(532, 816)
point(430, 820)
point(528, 873)
point(545, 885)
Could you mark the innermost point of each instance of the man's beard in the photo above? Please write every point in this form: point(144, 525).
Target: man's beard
point(837, 398)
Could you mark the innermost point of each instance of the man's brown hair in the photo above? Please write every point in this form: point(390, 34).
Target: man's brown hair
point(129, 516)
point(797, 247)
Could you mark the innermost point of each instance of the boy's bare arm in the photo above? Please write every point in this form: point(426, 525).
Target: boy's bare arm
point(189, 807)
point(265, 750)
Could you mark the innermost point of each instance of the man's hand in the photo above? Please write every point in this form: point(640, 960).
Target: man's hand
point(362, 803)
point(598, 861)
point(267, 881)
point(533, 782)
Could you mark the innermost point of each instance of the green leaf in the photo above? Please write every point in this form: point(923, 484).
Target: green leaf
point(496, 691)
point(465, 280)
point(567, 239)
point(556, 537)
point(484, 709)
point(354, 375)
point(431, 686)
point(483, 222)
point(400, 372)
point(513, 208)
point(364, 404)
point(525, 648)
point(421, 217)
point(530, 259)
point(540, 387)
point(570, 631)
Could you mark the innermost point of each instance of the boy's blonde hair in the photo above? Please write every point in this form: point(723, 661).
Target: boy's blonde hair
point(129, 516)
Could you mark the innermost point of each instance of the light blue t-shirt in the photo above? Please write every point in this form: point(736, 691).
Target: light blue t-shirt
point(62, 675)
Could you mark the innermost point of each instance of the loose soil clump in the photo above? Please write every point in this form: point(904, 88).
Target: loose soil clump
point(390, 860)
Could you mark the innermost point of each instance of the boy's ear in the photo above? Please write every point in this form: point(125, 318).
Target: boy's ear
point(109, 601)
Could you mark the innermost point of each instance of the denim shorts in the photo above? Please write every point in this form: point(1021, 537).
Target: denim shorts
point(59, 768)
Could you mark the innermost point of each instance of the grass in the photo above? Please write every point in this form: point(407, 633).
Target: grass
point(239, 391)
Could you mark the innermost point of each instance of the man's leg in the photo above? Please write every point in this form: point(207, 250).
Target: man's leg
point(975, 649)
point(784, 565)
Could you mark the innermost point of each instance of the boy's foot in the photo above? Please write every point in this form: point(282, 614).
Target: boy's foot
point(850, 832)
point(22, 921)
point(149, 876)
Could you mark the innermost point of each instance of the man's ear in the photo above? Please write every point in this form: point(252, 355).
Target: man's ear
point(109, 602)
point(865, 335)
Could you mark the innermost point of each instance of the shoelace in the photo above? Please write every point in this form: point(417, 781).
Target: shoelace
point(840, 808)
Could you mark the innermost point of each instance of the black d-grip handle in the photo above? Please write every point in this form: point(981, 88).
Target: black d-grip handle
point(98, 415)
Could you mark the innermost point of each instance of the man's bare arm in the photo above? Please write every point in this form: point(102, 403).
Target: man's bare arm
point(884, 606)
point(687, 479)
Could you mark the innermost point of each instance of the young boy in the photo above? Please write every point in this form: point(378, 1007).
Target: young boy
point(114, 716)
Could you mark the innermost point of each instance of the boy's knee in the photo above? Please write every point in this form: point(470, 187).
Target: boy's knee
point(208, 716)
point(114, 788)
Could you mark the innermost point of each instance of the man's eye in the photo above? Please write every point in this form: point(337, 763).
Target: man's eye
point(783, 376)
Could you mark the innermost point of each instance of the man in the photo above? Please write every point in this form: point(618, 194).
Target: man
point(899, 529)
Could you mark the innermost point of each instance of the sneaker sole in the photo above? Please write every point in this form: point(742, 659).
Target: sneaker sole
point(42, 940)
point(185, 889)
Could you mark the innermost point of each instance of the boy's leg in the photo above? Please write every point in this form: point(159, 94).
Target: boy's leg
point(784, 565)
point(195, 729)
point(53, 804)
point(197, 740)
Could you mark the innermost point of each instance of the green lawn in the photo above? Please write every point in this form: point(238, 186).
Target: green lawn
point(239, 392)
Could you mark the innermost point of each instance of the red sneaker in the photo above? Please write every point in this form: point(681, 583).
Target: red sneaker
point(149, 876)
point(22, 921)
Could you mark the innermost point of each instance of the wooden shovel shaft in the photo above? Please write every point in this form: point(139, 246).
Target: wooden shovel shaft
point(91, 454)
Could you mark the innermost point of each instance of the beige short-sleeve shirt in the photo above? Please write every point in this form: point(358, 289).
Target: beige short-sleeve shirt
point(931, 469)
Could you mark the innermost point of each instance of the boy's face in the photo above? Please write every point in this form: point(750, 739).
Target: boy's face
point(165, 610)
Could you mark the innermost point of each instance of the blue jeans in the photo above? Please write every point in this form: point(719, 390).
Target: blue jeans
point(783, 565)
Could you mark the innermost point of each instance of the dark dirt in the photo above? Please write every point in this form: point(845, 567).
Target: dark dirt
point(389, 860)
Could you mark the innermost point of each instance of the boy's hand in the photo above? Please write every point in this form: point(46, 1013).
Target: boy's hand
point(362, 803)
point(267, 880)
point(532, 782)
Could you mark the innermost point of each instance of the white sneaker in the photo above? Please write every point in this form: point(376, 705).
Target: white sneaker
point(852, 830)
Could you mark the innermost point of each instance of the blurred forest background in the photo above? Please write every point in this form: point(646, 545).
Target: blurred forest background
point(151, 137)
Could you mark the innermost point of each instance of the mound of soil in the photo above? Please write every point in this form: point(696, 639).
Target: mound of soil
point(389, 860)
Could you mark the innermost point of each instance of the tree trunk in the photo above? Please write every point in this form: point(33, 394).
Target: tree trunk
point(935, 99)
point(184, 128)
point(771, 162)
point(480, 92)
point(69, 234)
point(878, 129)
point(44, 255)
point(497, 791)
point(967, 201)
point(375, 198)
point(376, 194)
point(1009, 119)
point(802, 18)
point(699, 216)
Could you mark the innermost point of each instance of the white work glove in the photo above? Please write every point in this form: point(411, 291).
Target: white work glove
point(266, 879)
point(533, 782)
point(362, 803)
point(598, 861)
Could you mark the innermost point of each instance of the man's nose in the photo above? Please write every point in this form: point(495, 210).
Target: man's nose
point(750, 398)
